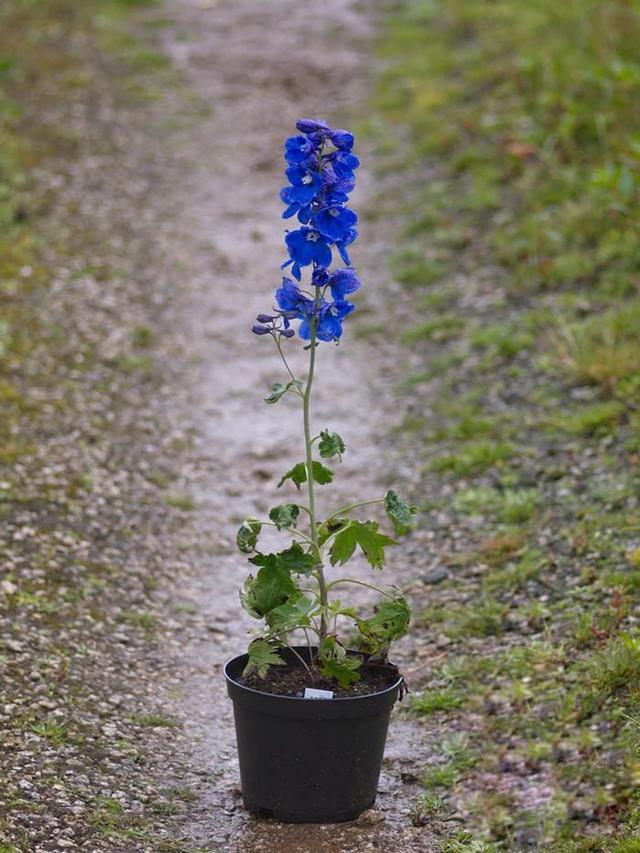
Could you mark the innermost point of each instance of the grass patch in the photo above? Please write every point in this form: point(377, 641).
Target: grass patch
point(603, 350)
point(473, 457)
point(430, 701)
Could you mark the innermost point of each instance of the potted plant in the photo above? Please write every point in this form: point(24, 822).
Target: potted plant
point(312, 713)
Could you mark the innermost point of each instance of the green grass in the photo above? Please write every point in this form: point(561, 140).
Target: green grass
point(473, 457)
point(520, 264)
point(430, 701)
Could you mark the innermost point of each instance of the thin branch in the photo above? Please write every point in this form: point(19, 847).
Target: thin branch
point(349, 507)
point(361, 583)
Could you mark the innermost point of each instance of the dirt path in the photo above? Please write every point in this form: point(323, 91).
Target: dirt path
point(259, 66)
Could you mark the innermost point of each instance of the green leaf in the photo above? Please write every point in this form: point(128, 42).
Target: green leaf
point(284, 515)
point(390, 622)
point(401, 515)
point(262, 655)
point(296, 560)
point(336, 609)
point(298, 474)
point(365, 534)
point(292, 614)
point(271, 587)
point(343, 670)
point(247, 536)
point(330, 445)
point(293, 560)
point(278, 390)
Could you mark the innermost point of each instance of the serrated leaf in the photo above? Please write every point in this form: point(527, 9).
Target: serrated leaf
point(298, 474)
point(292, 614)
point(331, 444)
point(401, 514)
point(343, 670)
point(247, 536)
point(262, 655)
point(366, 536)
point(296, 560)
point(284, 515)
point(271, 587)
point(278, 390)
point(293, 560)
point(390, 622)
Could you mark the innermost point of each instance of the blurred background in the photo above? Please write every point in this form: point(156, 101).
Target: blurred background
point(500, 219)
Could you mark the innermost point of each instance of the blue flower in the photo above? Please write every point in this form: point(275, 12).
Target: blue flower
point(342, 139)
point(310, 125)
point(341, 246)
point(305, 184)
point(335, 222)
point(306, 246)
point(321, 176)
point(298, 149)
point(344, 164)
point(288, 296)
point(343, 282)
point(304, 211)
point(329, 317)
point(336, 189)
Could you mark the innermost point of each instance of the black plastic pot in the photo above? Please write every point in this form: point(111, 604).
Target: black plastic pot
point(309, 760)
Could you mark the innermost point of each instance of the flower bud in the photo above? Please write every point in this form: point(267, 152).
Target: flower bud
point(310, 125)
point(260, 330)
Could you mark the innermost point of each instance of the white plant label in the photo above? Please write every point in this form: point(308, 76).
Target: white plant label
point(312, 693)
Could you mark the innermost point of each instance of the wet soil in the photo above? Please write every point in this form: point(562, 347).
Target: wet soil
point(292, 681)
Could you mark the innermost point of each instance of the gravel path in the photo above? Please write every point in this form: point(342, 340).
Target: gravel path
point(259, 66)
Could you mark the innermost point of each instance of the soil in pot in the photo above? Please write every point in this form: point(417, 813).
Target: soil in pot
point(291, 680)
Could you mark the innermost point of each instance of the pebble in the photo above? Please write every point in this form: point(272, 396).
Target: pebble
point(370, 817)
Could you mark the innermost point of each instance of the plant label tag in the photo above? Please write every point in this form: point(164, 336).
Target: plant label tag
point(312, 693)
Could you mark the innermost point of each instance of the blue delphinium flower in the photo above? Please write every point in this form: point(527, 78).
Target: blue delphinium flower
point(321, 175)
point(335, 222)
point(306, 246)
point(343, 282)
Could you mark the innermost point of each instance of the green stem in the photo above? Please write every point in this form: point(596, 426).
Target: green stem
point(308, 441)
point(349, 507)
point(361, 583)
point(284, 360)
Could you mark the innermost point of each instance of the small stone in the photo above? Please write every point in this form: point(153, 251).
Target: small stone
point(436, 576)
point(8, 588)
point(442, 641)
point(370, 817)
point(581, 809)
point(14, 646)
point(409, 778)
point(496, 704)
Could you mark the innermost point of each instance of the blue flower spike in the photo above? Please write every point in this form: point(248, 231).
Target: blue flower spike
point(321, 175)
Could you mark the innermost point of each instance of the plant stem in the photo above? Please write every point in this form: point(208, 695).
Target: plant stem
point(322, 586)
point(361, 583)
point(353, 506)
point(301, 659)
point(284, 360)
